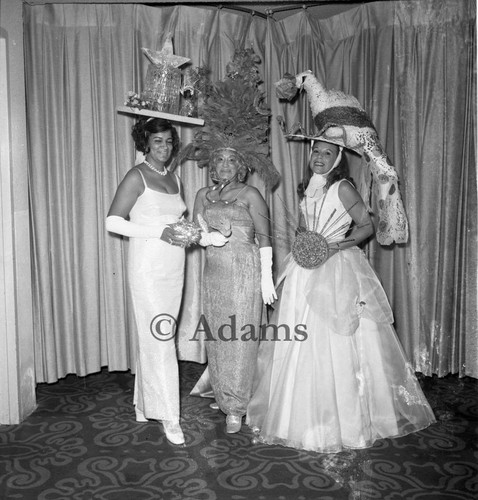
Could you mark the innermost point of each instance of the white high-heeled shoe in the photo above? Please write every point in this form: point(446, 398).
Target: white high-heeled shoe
point(233, 424)
point(173, 431)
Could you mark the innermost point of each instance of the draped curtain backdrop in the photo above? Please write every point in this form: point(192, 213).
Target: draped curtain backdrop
point(410, 63)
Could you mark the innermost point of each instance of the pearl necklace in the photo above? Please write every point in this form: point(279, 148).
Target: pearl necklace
point(163, 172)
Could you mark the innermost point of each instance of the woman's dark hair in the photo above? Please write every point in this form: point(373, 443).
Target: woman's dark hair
point(341, 171)
point(242, 170)
point(147, 126)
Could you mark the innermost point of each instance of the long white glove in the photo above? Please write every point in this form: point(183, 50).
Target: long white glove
point(119, 225)
point(267, 284)
point(214, 238)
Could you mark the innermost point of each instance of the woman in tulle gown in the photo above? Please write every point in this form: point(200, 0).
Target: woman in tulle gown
point(150, 195)
point(343, 380)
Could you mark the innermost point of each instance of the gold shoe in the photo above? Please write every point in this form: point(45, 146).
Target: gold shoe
point(173, 432)
point(233, 424)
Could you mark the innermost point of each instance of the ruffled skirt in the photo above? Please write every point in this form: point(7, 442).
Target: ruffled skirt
point(339, 378)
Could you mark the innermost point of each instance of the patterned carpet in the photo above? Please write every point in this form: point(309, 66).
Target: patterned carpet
point(83, 443)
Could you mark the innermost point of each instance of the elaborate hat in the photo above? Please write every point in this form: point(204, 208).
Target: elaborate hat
point(163, 95)
point(341, 120)
point(235, 117)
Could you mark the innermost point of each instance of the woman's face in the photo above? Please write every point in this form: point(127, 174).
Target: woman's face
point(323, 157)
point(160, 146)
point(227, 164)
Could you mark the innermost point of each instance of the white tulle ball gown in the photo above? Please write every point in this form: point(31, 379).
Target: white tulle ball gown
point(348, 383)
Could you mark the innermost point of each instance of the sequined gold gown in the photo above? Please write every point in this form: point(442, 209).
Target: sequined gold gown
point(348, 383)
point(232, 307)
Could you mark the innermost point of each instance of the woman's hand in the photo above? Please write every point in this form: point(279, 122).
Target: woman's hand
point(170, 236)
point(333, 249)
point(208, 238)
point(214, 238)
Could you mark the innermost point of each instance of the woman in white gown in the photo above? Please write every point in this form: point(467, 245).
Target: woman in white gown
point(346, 382)
point(150, 195)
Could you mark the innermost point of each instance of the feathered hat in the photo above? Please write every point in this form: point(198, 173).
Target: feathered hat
point(340, 119)
point(236, 118)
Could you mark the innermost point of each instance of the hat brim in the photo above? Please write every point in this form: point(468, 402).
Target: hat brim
point(160, 114)
point(323, 138)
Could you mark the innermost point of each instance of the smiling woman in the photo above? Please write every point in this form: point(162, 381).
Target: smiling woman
point(324, 157)
point(349, 383)
point(237, 269)
point(237, 277)
point(151, 196)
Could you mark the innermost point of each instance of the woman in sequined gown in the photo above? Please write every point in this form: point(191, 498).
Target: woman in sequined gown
point(150, 196)
point(343, 380)
point(237, 278)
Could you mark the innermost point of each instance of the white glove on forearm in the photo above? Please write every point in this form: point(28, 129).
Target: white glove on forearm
point(214, 238)
point(119, 225)
point(267, 284)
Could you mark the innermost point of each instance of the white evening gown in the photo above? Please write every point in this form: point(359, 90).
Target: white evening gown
point(156, 275)
point(349, 383)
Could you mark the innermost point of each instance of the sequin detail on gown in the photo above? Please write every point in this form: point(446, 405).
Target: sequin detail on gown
point(232, 306)
point(156, 275)
point(349, 382)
